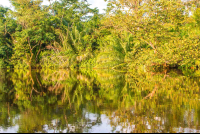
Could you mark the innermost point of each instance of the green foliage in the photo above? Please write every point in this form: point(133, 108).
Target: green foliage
point(158, 35)
point(7, 27)
point(132, 33)
point(196, 16)
point(111, 52)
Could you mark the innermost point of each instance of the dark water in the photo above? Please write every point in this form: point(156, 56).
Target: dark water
point(99, 101)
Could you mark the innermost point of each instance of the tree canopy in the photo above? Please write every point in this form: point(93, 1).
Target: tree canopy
point(132, 33)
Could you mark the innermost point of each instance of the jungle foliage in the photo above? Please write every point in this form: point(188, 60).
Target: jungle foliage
point(131, 34)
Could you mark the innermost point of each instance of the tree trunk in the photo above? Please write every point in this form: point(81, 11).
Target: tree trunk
point(30, 62)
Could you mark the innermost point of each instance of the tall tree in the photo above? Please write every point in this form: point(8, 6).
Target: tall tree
point(7, 27)
point(34, 31)
point(159, 26)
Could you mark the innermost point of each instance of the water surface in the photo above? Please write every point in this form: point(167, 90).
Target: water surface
point(99, 101)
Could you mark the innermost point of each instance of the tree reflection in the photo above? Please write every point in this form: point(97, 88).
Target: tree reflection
point(63, 100)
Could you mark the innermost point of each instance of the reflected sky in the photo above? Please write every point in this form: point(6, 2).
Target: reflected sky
point(103, 127)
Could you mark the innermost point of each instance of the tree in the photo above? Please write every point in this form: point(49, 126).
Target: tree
point(74, 29)
point(7, 27)
point(35, 31)
point(159, 29)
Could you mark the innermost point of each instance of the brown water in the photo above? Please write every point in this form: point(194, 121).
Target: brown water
point(99, 101)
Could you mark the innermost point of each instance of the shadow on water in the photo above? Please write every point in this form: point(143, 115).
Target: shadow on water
point(99, 101)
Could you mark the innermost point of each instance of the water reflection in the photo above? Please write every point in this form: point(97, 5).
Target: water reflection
point(99, 101)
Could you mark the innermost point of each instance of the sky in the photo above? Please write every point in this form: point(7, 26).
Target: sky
point(100, 4)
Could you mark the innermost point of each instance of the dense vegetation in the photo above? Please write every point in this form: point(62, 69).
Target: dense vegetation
point(131, 34)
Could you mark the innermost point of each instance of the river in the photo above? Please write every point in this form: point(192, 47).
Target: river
point(88, 101)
